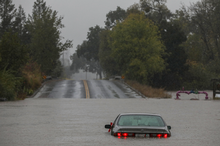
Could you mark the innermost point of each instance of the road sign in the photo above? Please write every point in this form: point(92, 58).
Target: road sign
point(123, 77)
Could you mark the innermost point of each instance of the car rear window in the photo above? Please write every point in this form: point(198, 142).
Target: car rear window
point(141, 120)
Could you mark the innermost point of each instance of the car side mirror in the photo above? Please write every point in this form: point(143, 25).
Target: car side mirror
point(169, 127)
point(108, 126)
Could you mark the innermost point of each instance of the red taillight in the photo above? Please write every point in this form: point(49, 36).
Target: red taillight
point(125, 134)
point(165, 135)
point(122, 134)
point(159, 135)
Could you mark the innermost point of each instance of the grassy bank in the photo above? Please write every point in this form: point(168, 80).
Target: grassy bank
point(148, 91)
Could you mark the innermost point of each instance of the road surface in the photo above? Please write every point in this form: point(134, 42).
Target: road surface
point(76, 89)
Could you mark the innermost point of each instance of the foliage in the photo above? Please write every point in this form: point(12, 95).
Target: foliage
point(193, 47)
point(204, 16)
point(31, 73)
point(173, 37)
point(46, 46)
point(198, 77)
point(148, 91)
point(115, 16)
point(200, 23)
point(82, 50)
point(137, 49)
point(7, 15)
point(77, 63)
point(155, 10)
point(134, 9)
point(107, 61)
point(9, 85)
point(14, 54)
point(58, 70)
point(89, 49)
point(81, 63)
point(38, 38)
point(20, 27)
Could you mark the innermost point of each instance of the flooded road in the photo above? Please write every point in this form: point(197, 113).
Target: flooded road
point(78, 121)
point(76, 89)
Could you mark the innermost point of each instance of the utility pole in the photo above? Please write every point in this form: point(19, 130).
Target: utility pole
point(87, 66)
point(86, 73)
point(63, 58)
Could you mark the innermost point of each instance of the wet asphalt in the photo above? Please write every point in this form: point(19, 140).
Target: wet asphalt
point(60, 115)
point(76, 89)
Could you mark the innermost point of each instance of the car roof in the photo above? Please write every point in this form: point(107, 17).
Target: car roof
point(147, 114)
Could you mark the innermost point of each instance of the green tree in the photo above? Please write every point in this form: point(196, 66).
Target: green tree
point(194, 48)
point(107, 61)
point(183, 19)
point(135, 8)
point(9, 84)
point(137, 48)
point(89, 49)
point(46, 43)
point(7, 15)
point(14, 54)
point(201, 24)
point(204, 16)
point(156, 10)
point(172, 37)
point(115, 16)
point(77, 63)
point(81, 50)
point(94, 42)
point(20, 27)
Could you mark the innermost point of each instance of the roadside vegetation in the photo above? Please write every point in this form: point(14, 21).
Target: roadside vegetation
point(148, 91)
point(30, 48)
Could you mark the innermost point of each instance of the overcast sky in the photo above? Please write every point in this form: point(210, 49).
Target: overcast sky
point(80, 15)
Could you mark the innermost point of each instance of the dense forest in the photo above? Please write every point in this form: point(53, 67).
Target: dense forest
point(30, 48)
point(150, 44)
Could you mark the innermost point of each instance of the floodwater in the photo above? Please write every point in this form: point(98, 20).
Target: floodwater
point(80, 122)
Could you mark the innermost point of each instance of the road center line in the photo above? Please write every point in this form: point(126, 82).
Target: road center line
point(86, 89)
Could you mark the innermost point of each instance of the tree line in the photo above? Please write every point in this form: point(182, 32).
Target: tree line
point(150, 44)
point(30, 48)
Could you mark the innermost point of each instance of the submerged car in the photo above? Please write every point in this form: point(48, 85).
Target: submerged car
point(139, 125)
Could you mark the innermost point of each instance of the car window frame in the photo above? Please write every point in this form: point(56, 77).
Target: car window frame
point(118, 119)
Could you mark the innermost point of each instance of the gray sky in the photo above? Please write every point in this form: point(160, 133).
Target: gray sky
point(80, 15)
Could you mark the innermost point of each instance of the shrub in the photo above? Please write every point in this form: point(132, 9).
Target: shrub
point(148, 91)
point(9, 85)
point(198, 77)
point(32, 77)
